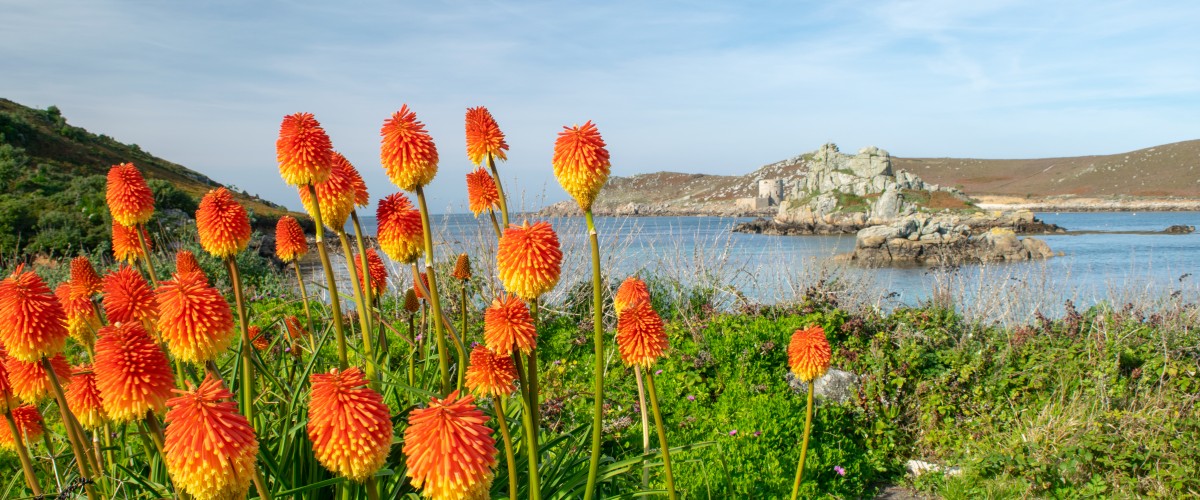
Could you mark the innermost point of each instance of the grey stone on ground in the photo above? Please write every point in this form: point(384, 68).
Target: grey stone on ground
point(836, 386)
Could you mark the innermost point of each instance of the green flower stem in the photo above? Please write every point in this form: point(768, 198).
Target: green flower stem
point(434, 302)
point(637, 372)
point(331, 282)
point(446, 324)
point(495, 225)
point(804, 445)
point(509, 455)
point(535, 399)
point(499, 190)
point(27, 464)
point(462, 362)
point(662, 435)
point(247, 391)
point(369, 289)
point(364, 314)
point(303, 295)
point(412, 356)
point(81, 457)
point(137, 229)
point(598, 377)
point(531, 444)
point(372, 487)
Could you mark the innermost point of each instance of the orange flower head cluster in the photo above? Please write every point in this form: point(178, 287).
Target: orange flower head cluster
point(210, 448)
point(484, 136)
point(400, 229)
point(348, 423)
point(129, 198)
point(335, 195)
point(32, 322)
point(809, 353)
point(29, 380)
point(193, 318)
point(640, 335)
point(581, 163)
point(303, 150)
point(290, 242)
point(125, 245)
point(508, 326)
point(185, 262)
point(81, 315)
point(490, 374)
point(376, 271)
point(408, 154)
point(632, 290)
point(128, 297)
point(260, 340)
point(132, 373)
point(529, 259)
point(411, 303)
point(482, 194)
point(424, 282)
point(450, 450)
point(83, 398)
point(223, 224)
point(8, 398)
point(84, 276)
point(462, 268)
point(29, 426)
point(294, 329)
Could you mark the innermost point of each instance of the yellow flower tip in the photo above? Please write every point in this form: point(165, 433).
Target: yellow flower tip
point(336, 195)
point(128, 297)
point(400, 233)
point(29, 380)
point(407, 152)
point(193, 318)
point(632, 290)
point(450, 450)
point(83, 398)
point(508, 326)
point(128, 197)
point(81, 315)
point(33, 324)
point(482, 194)
point(809, 353)
point(223, 224)
point(581, 163)
point(490, 374)
point(484, 136)
point(348, 423)
point(529, 259)
point(641, 338)
point(303, 150)
point(125, 245)
point(210, 448)
point(132, 373)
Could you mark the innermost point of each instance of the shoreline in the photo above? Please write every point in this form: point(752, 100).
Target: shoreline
point(1087, 204)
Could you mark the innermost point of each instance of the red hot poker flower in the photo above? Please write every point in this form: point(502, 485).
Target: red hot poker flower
point(303, 150)
point(32, 322)
point(450, 451)
point(129, 198)
point(210, 448)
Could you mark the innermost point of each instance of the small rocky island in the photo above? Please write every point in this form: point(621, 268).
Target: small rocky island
point(898, 218)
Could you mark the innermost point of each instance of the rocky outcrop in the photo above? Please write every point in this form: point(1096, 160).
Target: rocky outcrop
point(835, 386)
point(940, 241)
point(1180, 229)
point(1020, 222)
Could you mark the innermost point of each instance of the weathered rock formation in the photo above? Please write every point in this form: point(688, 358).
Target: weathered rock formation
point(1020, 222)
point(940, 241)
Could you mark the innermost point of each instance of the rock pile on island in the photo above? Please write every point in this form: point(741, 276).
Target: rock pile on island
point(940, 241)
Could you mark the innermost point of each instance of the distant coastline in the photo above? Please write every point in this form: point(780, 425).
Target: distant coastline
point(1088, 203)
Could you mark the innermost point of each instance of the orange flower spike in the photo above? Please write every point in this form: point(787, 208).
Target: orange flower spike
point(348, 423)
point(290, 242)
point(450, 450)
point(33, 324)
point(292, 324)
point(424, 281)
point(631, 291)
point(260, 340)
point(407, 151)
point(581, 163)
point(185, 262)
point(377, 272)
point(84, 276)
point(193, 318)
point(303, 150)
point(400, 232)
point(128, 297)
point(132, 373)
point(640, 335)
point(809, 353)
point(81, 315)
point(29, 380)
point(129, 198)
point(125, 245)
point(336, 194)
point(210, 448)
point(490, 374)
point(29, 425)
point(529, 259)
point(484, 136)
point(223, 224)
point(508, 326)
point(83, 397)
point(482, 194)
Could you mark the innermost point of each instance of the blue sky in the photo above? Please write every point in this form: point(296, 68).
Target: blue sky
point(714, 87)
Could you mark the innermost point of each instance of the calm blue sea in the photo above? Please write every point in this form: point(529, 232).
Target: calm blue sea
point(1116, 268)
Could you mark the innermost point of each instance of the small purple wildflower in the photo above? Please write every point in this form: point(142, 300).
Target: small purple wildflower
point(733, 432)
point(691, 397)
point(757, 433)
point(839, 470)
point(287, 349)
point(658, 372)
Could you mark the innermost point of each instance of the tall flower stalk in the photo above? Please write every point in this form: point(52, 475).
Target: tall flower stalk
point(290, 246)
point(641, 340)
point(581, 165)
point(808, 358)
